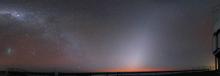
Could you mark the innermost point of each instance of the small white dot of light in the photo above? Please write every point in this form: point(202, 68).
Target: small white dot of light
point(18, 15)
point(9, 51)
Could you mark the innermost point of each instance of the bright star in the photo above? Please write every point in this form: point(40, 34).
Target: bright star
point(16, 14)
point(8, 51)
point(12, 13)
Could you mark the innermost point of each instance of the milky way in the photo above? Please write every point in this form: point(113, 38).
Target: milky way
point(113, 35)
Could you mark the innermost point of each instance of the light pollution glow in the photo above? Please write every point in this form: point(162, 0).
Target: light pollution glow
point(105, 36)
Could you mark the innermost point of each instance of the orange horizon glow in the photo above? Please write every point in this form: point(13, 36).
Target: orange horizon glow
point(135, 70)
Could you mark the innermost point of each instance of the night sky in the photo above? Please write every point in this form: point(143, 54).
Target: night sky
point(106, 35)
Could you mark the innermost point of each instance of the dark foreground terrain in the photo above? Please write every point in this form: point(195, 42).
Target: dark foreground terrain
point(177, 73)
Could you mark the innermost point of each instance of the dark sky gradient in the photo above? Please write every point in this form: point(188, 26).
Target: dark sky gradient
point(106, 35)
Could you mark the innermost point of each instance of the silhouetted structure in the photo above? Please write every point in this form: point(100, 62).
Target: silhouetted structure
point(216, 37)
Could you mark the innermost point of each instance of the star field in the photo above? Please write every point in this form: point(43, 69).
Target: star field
point(97, 36)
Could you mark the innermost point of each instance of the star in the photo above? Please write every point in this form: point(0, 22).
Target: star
point(9, 51)
point(13, 13)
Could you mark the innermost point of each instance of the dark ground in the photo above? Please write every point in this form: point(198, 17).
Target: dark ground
point(179, 73)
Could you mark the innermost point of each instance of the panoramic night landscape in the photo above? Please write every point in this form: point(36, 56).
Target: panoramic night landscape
point(109, 37)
